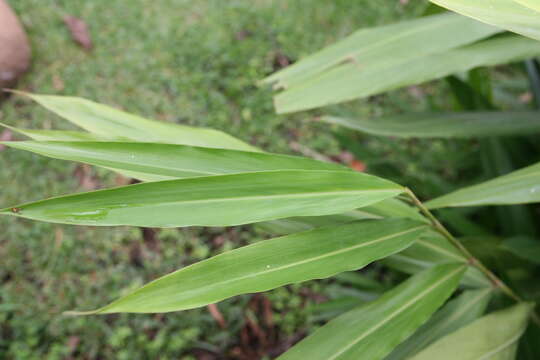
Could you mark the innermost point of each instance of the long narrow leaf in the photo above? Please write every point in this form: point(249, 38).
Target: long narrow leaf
point(455, 314)
point(494, 337)
point(371, 47)
point(268, 264)
point(352, 79)
point(111, 123)
point(221, 200)
point(169, 160)
point(518, 187)
point(520, 16)
point(373, 330)
point(446, 125)
point(57, 135)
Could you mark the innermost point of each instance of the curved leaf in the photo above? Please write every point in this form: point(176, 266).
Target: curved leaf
point(373, 46)
point(518, 187)
point(352, 80)
point(446, 125)
point(221, 200)
point(371, 331)
point(154, 161)
point(271, 263)
point(518, 16)
point(56, 135)
point(494, 337)
point(110, 123)
point(455, 314)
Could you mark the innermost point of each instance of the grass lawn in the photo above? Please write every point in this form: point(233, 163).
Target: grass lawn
point(191, 62)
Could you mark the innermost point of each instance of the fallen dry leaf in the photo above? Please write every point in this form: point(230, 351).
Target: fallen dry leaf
point(216, 314)
point(83, 173)
point(6, 135)
point(79, 31)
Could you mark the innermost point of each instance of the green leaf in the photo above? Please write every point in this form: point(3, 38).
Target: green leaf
point(386, 46)
point(457, 313)
point(518, 187)
point(268, 264)
point(154, 161)
point(430, 250)
point(494, 336)
point(446, 125)
point(520, 16)
point(56, 135)
point(221, 200)
point(111, 123)
point(353, 79)
point(524, 247)
point(371, 331)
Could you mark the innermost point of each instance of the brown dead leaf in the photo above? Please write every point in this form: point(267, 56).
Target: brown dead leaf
point(79, 31)
point(357, 165)
point(216, 314)
point(83, 173)
point(6, 135)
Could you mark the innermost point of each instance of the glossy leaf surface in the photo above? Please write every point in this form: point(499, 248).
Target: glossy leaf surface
point(271, 263)
point(494, 337)
point(372, 330)
point(222, 200)
point(518, 187)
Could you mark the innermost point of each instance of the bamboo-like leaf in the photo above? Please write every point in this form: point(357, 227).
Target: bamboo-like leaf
point(154, 161)
point(373, 330)
point(455, 314)
point(57, 135)
point(494, 337)
point(520, 16)
point(221, 200)
point(111, 123)
point(388, 208)
point(378, 46)
point(352, 79)
point(518, 187)
point(430, 250)
point(446, 125)
point(268, 264)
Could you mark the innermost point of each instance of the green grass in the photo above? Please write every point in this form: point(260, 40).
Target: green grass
point(192, 62)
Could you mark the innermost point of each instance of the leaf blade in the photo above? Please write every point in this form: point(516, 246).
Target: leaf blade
point(372, 330)
point(484, 338)
point(518, 187)
point(236, 199)
point(271, 263)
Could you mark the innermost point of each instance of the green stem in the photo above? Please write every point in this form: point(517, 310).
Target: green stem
point(497, 283)
point(470, 258)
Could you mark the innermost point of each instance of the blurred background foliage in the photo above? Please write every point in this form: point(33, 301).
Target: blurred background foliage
point(197, 63)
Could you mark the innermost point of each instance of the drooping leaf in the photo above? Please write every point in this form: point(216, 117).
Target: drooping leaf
point(518, 187)
point(156, 161)
point(111, 123)
point(520, 16)
point(221, 200)
point(494, 337)
point(372, 330)
point(268, 264)
point(455, 314)
point(377, 47)
point(432, 249)
point(351, 80)
point(446, 125)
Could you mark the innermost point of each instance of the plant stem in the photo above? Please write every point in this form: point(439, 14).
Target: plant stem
point(497, 283)
point(470, 258)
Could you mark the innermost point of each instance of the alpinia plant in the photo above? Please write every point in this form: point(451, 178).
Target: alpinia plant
point(205, 177)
